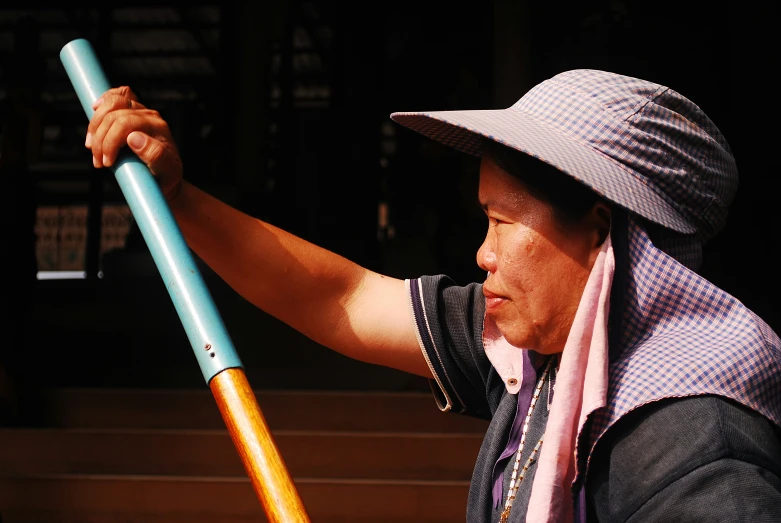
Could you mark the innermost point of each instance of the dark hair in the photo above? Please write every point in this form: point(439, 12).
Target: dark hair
point(569, 198)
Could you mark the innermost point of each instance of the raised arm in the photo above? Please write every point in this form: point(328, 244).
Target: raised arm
point(335, 302)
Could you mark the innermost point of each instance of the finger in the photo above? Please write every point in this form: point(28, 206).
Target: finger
point(124, 92)
point(108, 103)
point(112, 134)
point(158, 156)
point(97, 134)
point(150, 150)
point(125, 123)
point(111, 100)
point(98, 120)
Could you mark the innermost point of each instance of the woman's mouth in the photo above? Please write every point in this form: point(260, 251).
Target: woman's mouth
point(492, 301)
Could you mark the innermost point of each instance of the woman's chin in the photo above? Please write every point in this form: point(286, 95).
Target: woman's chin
point(524, 340)
point(516, 339)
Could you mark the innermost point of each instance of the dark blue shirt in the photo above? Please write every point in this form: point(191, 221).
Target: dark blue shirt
point(670, 460)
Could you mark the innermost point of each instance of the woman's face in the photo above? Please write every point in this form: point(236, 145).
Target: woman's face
point(537, 269)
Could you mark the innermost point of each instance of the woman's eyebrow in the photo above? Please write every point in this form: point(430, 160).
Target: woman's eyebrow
point(492, 204)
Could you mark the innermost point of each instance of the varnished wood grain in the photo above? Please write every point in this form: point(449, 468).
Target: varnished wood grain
point(256, 446)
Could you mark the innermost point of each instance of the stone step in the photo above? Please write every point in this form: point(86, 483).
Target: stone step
point(150, 499)
point(313, 454)
point(283, 410)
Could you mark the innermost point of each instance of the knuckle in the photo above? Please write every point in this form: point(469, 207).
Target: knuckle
point(155, 151)
point(110, 118)
point(126, 93)
point(118, 101)
point(114, 102)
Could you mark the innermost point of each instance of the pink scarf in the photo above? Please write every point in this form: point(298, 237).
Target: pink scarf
point(581, 388)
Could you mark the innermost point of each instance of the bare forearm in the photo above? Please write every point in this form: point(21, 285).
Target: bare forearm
point(334, 301)
point(296, 281)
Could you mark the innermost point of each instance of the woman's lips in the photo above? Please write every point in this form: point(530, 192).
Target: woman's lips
point(492, 301)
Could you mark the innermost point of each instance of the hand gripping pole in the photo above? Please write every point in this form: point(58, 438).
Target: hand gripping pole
point(205, 330)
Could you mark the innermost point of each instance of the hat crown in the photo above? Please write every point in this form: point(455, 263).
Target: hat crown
point(653, 131)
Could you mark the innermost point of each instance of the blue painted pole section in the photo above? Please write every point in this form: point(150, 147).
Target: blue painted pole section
point(205, 329)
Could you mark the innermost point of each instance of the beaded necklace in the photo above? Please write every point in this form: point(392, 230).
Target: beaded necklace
point(516, 478)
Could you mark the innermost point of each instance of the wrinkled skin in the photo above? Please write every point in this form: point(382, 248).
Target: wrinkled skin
point(120, 120)
point(537, 267)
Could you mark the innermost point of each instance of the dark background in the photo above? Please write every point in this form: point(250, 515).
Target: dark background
point(281, 109)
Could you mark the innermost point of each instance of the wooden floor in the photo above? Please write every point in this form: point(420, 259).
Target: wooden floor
point(144, 455)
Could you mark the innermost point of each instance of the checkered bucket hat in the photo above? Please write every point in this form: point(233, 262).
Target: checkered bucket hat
point(638, 144)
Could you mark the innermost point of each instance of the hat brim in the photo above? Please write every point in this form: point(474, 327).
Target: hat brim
point(466, 130)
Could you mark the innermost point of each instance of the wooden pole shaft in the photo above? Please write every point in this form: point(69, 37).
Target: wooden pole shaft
point(257, 448)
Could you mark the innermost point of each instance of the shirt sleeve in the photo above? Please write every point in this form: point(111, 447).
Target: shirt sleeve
point(449, 321)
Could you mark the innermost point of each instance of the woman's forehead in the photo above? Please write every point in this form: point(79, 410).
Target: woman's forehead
point(498, 187)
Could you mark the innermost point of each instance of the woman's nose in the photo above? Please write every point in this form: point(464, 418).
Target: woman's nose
point(486, 258)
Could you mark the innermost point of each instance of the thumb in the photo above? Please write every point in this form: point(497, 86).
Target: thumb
point(149, 150)
point(163, 161)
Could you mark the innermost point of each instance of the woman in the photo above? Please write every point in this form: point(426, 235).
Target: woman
point(620, 385)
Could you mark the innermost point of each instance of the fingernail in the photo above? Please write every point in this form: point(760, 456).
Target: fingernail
point(135, 140)
point(105, 160)
point(97, 102)
point(88, 141)
point(95, 162)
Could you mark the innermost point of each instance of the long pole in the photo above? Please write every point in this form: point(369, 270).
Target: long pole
point(213, 348)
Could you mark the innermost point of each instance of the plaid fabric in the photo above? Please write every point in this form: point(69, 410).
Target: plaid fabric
point(682, 336)
point(656, 154)
point(638, 144)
